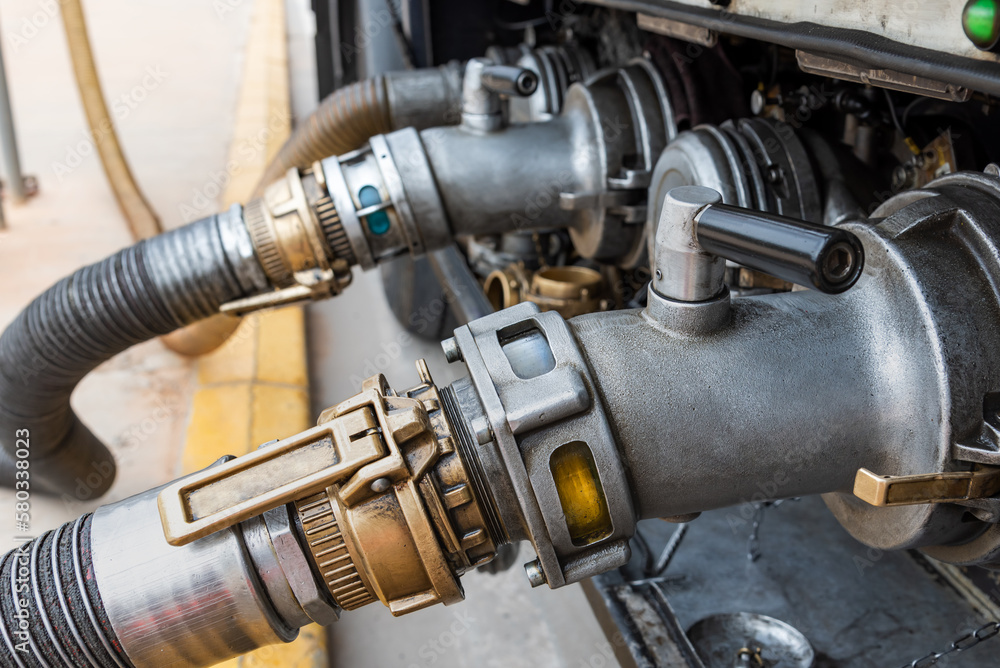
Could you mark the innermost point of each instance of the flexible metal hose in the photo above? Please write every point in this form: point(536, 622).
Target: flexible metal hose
point(352, 115)
point(51, 613)
point(137, 211)
point(343, 122)
point(141, 292)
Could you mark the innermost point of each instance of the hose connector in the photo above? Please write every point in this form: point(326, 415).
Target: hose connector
point(384, 498)
point(298, 237)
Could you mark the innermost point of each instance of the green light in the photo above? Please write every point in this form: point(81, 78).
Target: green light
point(981, 22)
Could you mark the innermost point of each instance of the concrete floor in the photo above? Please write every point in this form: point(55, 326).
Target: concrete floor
point(175, 131)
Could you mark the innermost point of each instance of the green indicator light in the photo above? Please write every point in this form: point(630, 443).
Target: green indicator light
point(378, 222)
point(981, 22)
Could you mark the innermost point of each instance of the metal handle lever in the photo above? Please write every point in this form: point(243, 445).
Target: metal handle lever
point(357, 442)
point(828, 259)
point(908, 490)
point(509, 80)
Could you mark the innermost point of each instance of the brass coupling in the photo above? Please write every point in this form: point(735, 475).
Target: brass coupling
point(568, 290)
point(297, 236)
point(384, 498)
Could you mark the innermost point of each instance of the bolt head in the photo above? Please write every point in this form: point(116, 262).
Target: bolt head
point(536, 576)
point(481, 428)
point(452, 353)
point(381, 485)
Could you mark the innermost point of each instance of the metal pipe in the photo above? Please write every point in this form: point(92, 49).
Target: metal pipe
point(351, 115)
point(8, 141)
point(466, 297)
point(344, 121)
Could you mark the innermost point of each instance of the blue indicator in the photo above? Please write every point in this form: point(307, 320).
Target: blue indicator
point(378, 222)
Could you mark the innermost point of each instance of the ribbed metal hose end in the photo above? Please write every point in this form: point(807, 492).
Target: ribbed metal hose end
point(51, 613)
point(345, 120)
point(333, 230)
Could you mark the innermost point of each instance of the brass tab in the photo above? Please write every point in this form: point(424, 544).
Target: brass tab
point(291, 469)
point(926, 488)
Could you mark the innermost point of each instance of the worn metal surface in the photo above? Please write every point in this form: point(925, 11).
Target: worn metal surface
point(503, 621)
point(528, 411)
point(586, 170)
point(899, 334)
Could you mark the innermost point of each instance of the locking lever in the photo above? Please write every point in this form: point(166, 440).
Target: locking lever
point(908, 490)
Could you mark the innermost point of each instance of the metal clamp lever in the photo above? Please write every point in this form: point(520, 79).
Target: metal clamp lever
point(314, 284)
point(910, 490)
point(355, 442)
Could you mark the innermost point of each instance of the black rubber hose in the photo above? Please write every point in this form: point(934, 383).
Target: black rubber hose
point(139, 293)
point(51, 613)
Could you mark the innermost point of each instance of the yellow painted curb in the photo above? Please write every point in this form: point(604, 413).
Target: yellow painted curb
point(255, 387)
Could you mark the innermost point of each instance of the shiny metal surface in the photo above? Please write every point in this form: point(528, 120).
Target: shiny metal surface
point(481, 108)
point(683, 270)
point(178, 606)
point(264, 557)
point(238, 246)
point(424, 98)
point(523, 418)
point(294, 565)
point(586, 170)
point(452, 270)
point(753, 163)
point(801, 435)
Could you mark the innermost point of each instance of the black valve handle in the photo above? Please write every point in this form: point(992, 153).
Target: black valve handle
point(828, 259)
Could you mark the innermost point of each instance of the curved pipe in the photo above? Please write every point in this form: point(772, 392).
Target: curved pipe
point(352, 115)
point(141, 292)
point(137, 211)
point(344, 121)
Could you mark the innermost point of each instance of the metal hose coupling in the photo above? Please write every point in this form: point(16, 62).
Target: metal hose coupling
point(298, 236)
point(386, 503)
point(381, 500)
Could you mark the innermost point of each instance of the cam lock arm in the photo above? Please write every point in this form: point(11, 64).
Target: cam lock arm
point(907, 490)
point(356, 444)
